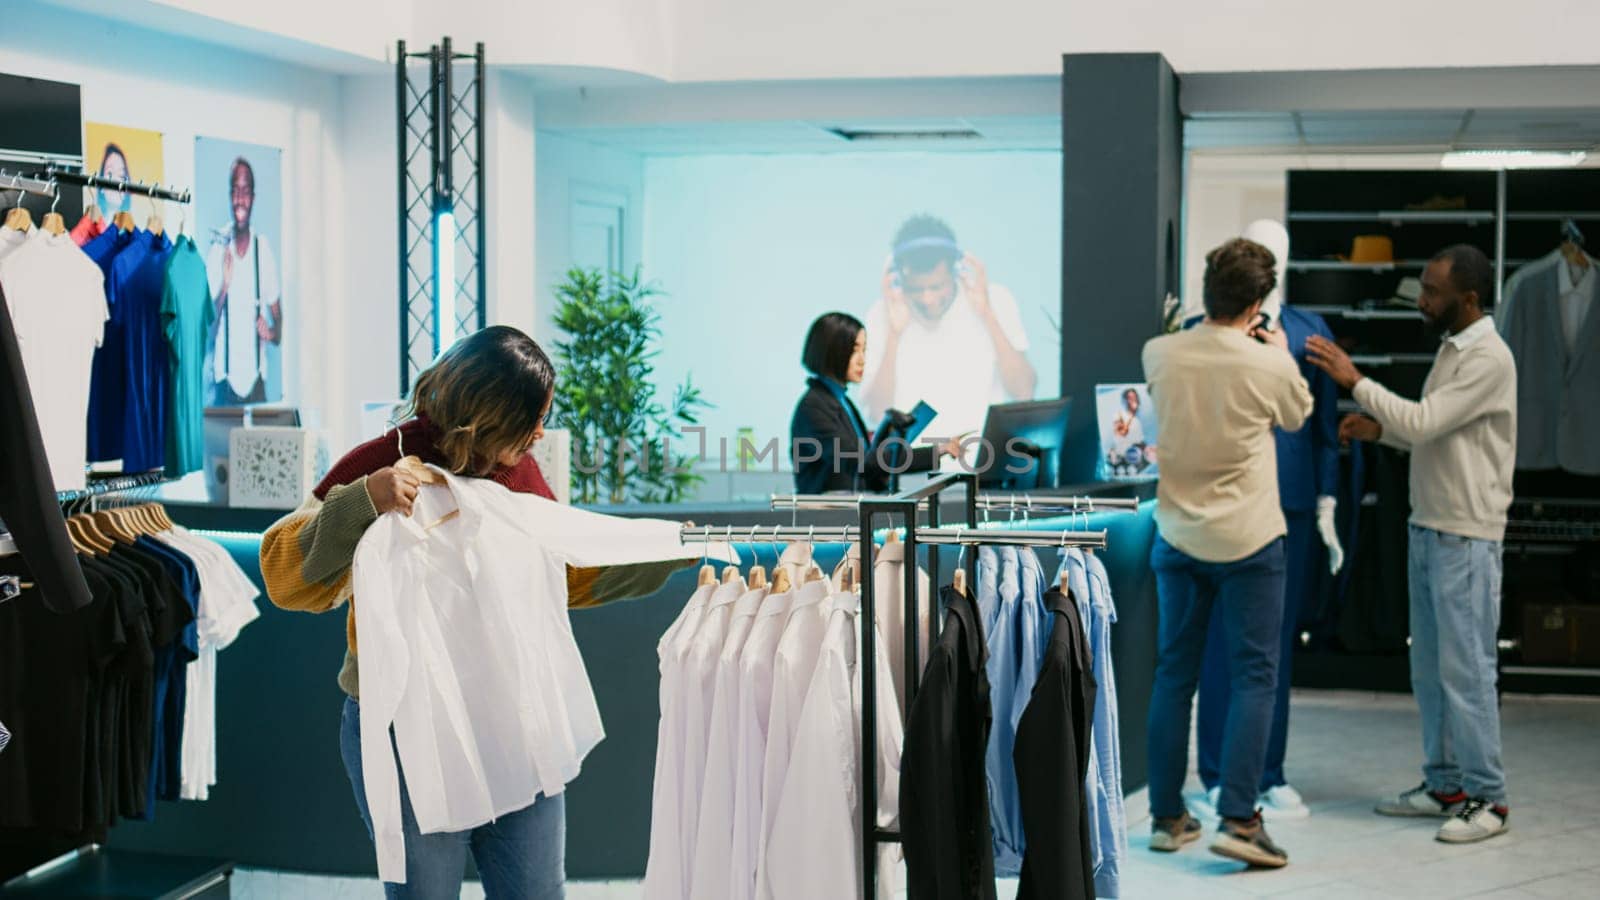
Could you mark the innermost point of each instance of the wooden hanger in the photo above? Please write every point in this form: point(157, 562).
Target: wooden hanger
point(758, 577)
point(80, 542)
point(112, 524)
point(959, 581)
point(154, 224)
point(159, 514)
point(780, 581)
point(92, 535)
point(708, 575)
point(416, 468)
point(123, 221)
point(730, 574)
point(19, 219)
point(893, 538)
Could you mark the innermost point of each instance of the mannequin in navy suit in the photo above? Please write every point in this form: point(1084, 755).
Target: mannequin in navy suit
point(1308, 481)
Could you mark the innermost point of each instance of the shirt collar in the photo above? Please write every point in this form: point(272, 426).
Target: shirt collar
point(1567, 285)
point(1472, 334)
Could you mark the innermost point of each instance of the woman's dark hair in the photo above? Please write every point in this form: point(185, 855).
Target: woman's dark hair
point(486, 395)
point(829, 344)
point(112, 149)
point(1239, 274)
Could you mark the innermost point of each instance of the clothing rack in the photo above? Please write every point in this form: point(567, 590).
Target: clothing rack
point(115, 484)
point(924, 499)
point(85, 179)
point(1035, 503)
point(15, 181)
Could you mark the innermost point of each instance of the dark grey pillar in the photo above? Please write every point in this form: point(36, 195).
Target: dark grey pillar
point(1122, 158)
point(1122, 178)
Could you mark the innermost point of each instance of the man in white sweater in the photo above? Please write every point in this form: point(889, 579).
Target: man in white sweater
point(1462, 436)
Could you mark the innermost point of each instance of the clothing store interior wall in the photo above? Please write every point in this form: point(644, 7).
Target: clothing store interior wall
point(756, 167)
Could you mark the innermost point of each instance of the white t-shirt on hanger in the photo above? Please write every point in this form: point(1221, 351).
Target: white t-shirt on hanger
point(58, 306)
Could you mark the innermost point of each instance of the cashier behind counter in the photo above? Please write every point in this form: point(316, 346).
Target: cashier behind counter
point(829, 444)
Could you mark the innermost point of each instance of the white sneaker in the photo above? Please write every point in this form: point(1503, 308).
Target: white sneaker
point(1421, 802)
point(1284, 802)
point(1478, 820)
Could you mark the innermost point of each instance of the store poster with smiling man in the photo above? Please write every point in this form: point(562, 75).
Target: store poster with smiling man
point(239, 207)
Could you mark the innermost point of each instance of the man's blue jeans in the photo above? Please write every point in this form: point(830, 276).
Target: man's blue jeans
point(520, 855)
point(1455, 616)
point(1302, 567)
point(1248, 596)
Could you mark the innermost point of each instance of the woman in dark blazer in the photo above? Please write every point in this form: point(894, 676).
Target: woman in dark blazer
point(828, 439)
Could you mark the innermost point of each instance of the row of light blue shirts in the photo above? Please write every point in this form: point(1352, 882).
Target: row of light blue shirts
point(1011, 589)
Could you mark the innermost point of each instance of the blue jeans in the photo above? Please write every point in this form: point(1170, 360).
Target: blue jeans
point(1455, 616)
point(1302, 569)
point(1248, 595)
point(520, 855)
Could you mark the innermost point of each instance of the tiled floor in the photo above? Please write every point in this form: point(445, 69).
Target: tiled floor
point(1345, 751)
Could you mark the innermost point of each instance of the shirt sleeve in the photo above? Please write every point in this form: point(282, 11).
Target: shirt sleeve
point(1457, 401)
point(1292, 399)
point(271, 287)
point(877, 325)
point(1009, 315)
point(306, 555)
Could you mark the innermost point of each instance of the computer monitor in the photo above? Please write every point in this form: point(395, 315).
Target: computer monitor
point(1022, 442)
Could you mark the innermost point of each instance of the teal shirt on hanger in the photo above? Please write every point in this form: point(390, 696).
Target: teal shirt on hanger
point(187, 315)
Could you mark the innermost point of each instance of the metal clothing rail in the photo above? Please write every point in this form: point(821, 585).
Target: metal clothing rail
point(16, 181)
point(116, 484)
point(1056, 504)
point(88, 180)
point(924, 500)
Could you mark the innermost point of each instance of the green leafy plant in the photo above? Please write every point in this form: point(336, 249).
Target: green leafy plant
point(623, 438)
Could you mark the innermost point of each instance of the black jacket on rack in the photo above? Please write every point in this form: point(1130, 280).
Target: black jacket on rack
point(842, 464)
point(1052, 760)
point(944, 794)
point(27, 493)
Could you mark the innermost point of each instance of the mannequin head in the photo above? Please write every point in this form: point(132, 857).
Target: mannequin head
point(1271, 234)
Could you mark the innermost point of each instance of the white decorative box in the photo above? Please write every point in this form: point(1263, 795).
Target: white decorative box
point(272, 467)
point(553, 453)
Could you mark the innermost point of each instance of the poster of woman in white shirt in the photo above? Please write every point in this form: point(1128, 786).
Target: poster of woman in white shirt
point(238, 198)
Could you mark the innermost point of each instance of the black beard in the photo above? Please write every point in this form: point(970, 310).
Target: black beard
point(1437, 328)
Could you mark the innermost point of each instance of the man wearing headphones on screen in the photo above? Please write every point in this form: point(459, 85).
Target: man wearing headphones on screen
point(942, 333)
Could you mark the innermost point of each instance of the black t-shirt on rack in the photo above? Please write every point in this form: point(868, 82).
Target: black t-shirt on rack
point(169, 614)
point(130, 635)
point(143, 608)
point(50, 665)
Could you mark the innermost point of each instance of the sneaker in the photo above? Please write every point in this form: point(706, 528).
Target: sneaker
point(1477, 820)
point(1284, 802)
point(1170, 835)
point(1420, 802)
point(1248, 843)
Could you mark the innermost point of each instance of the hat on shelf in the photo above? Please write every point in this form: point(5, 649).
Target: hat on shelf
point(1371, 249)
point(1406, 292)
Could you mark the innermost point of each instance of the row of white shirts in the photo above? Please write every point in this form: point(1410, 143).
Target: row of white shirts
point(227, 605)
point(467, 652)
point(57, 298)
point(757, 793)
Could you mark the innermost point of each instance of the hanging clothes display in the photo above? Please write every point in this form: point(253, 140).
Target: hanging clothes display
point(468, 761)
point(771, 679)
point(1547, 318)
point(58, 307)
point(27, 496)
point(944, 800)
point(1052, 756)
point(187, 316)
point(101, 699)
